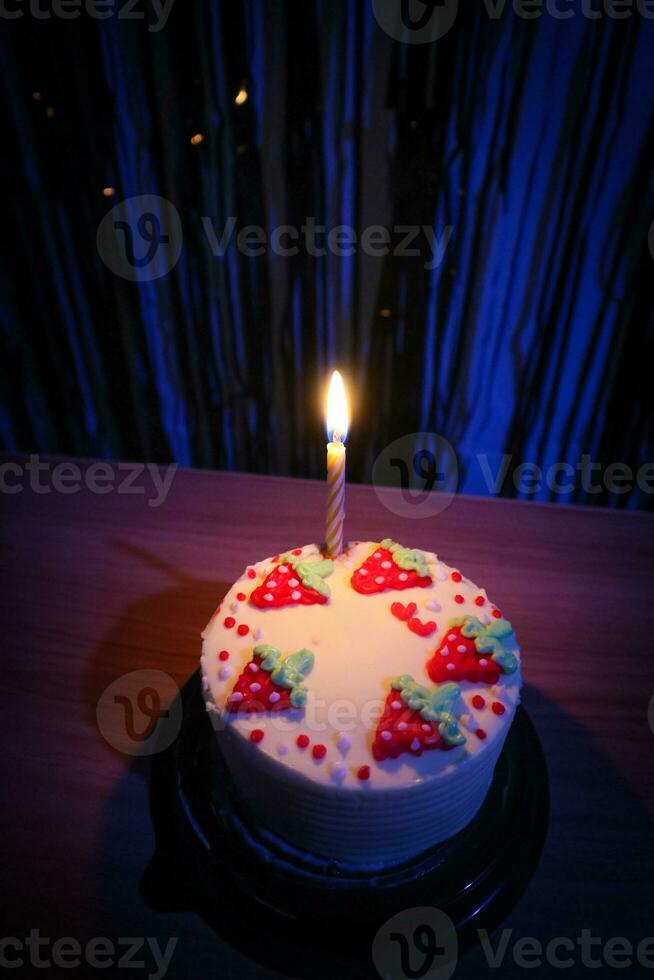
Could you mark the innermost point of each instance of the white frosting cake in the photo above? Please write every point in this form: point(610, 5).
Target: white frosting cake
point(361, 704)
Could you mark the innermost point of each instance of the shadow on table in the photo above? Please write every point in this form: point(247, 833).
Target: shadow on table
point(590, 876)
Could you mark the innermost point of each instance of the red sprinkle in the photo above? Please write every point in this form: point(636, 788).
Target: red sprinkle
point(319, 751)
point(251, 573)
point(297, 551)
point(302, 741)
point(223, 655)
point(229, 622)
point(363, 772)
point(256, 734)
point(498, 708)
point(478, 702)
point(241, 596)
point(479, 601)
point(456, 576)
point(243, 630)
point(459, 598)
point(480, 733)
point(497, 614)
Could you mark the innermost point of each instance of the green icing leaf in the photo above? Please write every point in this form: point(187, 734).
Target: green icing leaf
point(408, 559)
point(495, 638)
point(288, 671)
point(312, 573)
point(435, 705)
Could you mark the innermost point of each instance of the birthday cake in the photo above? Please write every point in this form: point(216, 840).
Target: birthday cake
point(359, 705)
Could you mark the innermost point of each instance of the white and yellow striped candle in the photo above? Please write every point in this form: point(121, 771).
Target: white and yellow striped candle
point(337, 425)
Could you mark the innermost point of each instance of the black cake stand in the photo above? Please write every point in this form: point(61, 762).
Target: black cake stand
point(302, 919)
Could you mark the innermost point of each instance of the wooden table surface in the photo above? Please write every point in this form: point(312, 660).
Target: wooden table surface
point(94, 586)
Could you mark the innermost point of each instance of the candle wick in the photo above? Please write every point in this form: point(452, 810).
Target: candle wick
point(336, 438)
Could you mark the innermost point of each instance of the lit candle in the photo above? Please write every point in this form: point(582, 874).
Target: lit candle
point(337, 423)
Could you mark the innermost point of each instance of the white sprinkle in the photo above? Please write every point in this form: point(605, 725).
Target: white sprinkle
point(363, 571)
point(496, 690)
point(344, 742)
point(485, 618)
point(255, 687)
point(274, 697)
point(272, 584)
point(205, 684)
point(293, 582)
point(379, 580)
point(257, 633)
point(377, 554)
point(296, 595)
point(445, 652)
point(441, 573)
point(461, 648)
point(283, 570)
point(348, 563)
point(483, 662)
point(387, 736)
point(402, 576)
point(253, 667)
point(465, 718)
point(338, 772)
point(268, 597)
point(433, 604)
point(450, 666)
point(396, 705)
point(452, 636)
point(402, 727)
point(426, 728)
point(210, 706)
point(415, 745)
point(282, 748)
point(225, 673)
point(387, 564)
point(234, 607)
point(236, 696)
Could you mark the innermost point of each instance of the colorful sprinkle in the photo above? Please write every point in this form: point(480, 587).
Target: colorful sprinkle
point(251, 573)
point(478, 702)
point(459, 598)
point(363, 773)
point(344, 742)
point(497, 614)
point(479, 601)
point(223, 655)
point(302, 741)
point(243, 630)
point(338, 772)
point(319, 751)
point(256, 734)
point(456, 576)
point(282, 748)
point(225, 673)
point(498, 708)
point(481, 734)
point(297, 551)
point(229, 622)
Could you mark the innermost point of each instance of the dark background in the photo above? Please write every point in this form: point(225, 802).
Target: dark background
point(533, 139)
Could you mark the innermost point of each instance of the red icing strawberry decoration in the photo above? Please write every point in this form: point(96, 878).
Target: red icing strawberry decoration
point(294, 582)
point(391, 567)
point(472, 651)
point(416, 719)
point(271, 682)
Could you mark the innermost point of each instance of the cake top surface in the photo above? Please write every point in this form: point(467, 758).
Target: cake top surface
point(382, 632)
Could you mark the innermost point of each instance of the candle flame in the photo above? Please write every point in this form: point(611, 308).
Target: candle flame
point(338, 419)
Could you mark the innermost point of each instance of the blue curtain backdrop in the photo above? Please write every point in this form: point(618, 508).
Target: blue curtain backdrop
point(531, 140)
